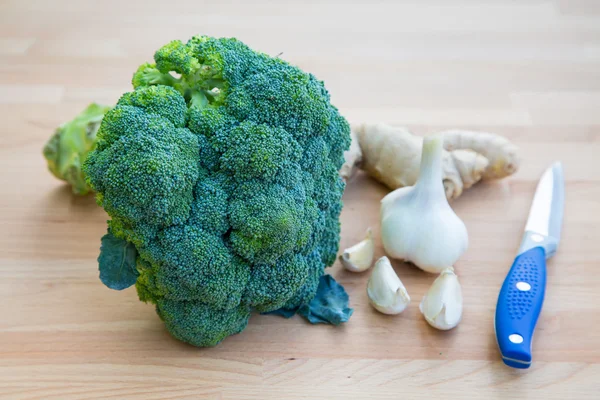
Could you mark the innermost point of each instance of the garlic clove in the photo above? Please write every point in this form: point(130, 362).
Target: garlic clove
point(442, 305)
point(359, 257)
point(386, 292)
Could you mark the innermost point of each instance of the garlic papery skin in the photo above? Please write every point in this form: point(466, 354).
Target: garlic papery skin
point(359, 257)
point(386, 292)
point(442, 305)
point(417, 223)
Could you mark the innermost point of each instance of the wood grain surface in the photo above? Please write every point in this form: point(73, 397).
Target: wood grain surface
point(526, 69)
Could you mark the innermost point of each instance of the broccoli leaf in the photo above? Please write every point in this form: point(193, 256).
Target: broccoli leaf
point(117, 262)
point(329, 306)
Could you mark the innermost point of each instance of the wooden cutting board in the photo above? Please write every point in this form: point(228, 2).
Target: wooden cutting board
point(529, 70)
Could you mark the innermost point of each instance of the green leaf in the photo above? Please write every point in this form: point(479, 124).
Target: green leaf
point(329, 306)
point(117, 262)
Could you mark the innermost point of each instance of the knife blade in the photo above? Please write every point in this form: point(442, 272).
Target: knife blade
point(522, 294)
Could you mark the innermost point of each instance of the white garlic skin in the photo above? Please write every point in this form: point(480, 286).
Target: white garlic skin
point(418, 224)
point(385, 290)
point(359, 257)
point(442, 306)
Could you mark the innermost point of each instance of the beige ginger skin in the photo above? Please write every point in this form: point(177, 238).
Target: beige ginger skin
point(392, 156)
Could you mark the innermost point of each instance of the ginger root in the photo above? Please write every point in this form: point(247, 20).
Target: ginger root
point(502, 155)
point(352, 157)
point(392, 155)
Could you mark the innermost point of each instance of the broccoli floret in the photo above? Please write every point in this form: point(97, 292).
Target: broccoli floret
point(272, 285)
point(221, 168)
point(200, 324)
point(67, 149)
point(148, 74)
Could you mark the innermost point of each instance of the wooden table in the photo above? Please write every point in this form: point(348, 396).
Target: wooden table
point(527, 69)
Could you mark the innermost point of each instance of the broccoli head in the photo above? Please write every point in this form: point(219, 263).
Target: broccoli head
point(221, 168)
point(67, 149)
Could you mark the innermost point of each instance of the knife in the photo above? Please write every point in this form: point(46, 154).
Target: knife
point(522, 293)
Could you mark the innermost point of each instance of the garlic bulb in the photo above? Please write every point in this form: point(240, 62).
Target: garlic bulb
point(385, 290)
point(442, 305)
point(359, 257)
point(417, 223)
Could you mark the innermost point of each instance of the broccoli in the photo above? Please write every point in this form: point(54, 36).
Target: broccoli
point(221, 169)
point(67, 149)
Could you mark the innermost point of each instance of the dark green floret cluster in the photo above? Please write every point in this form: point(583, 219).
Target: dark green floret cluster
point(221, 169)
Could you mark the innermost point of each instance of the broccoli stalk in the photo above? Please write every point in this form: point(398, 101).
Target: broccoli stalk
point(67, 149)
point(221, 169)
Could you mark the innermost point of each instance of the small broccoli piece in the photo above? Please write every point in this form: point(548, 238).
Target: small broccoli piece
point(272, 285)
point(148, 74)
point(195, 265)
point(257, 151)
point(221, 168)
point(267, 221)
point(67, 149)
point(160, 100)
point(200, 324)
point(146, 167)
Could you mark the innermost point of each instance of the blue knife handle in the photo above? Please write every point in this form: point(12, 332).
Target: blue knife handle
point(519, 306)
